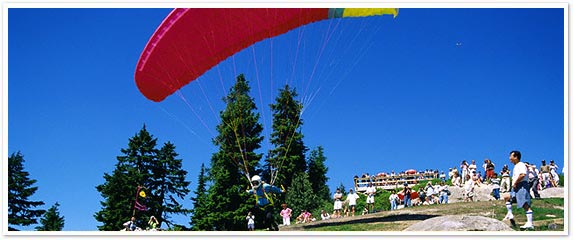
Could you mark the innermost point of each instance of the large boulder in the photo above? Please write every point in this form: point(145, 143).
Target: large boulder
point(558, 192)
point(482, 193)
point(459, 223)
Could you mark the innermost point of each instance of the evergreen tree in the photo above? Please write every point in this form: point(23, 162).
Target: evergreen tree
point(166, 185)
point(317, 173)
point(52, 221)
point(288, 155)
point(21, 210)
point(200, 209)
point(342, 189)
point(236, 160)
point(300, 196)
point(119, 193)
point(142, 167)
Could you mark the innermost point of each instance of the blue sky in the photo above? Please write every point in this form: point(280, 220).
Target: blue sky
point(425, 90)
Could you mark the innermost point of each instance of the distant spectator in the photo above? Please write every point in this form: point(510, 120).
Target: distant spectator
point(533, 179)
point(130, 225)
point(406, 192)
point(370, 192)
point(338, 203)
point(324, 215)
point(495, 186)
point(153, 223)
point(393, 200)
point(505, 179)
point(469, 190)
point(479, 179)
point(464, 169)
point(286, 214)
point(545, 174)
point(430, 192)
point(443, 176)
point(472, 167)
point(444, 192)
point(351, 198)
point(489, 170)
point(553, 170)
point(365, 211)
point(250, 221)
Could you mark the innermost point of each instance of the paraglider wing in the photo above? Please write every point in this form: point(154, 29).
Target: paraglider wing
point(191, 41)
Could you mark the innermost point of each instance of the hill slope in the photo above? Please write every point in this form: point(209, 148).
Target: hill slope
point(548, 215)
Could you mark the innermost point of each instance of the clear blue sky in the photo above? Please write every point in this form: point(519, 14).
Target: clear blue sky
point(427, 89)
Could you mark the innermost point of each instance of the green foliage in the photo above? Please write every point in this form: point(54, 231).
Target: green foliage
point(21, 210)
point(239, 137)
point(200, 208)
point(166, 184)
point(342, 189)
point(288, 155)
point(52, 221)
point(317, 173)
point(300, 196)
point(158, 172)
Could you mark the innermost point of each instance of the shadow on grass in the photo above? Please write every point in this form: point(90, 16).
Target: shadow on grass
point(391, 218)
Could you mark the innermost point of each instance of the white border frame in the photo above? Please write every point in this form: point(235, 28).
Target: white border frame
point(258, 4)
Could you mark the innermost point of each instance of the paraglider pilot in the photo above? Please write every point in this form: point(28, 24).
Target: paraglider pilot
point(264, 203)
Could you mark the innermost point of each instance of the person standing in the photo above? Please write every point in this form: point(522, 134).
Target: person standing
point(545, 174)
point(286, 214)
point(393, 200)
point(533, 179)
point(337, 204)
point(250, 221)
point(370, 192)
point(351, 197)
point(490, 170)
point(553, 170)
point(519, 190)
point(465, 173)
point(406, 192)
point(153, 223)
point(505, 180)
point(495, 186)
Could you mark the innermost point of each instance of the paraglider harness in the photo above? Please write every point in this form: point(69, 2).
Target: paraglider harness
point(268, 209)
point(268, 196)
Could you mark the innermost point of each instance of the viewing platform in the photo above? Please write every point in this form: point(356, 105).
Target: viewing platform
point(388, 182)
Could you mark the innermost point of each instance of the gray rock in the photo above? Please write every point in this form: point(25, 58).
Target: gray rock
point(460, 223)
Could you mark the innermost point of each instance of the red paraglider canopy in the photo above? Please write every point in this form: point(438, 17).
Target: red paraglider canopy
point(189, 42)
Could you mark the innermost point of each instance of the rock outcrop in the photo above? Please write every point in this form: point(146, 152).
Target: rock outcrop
point(459, 223)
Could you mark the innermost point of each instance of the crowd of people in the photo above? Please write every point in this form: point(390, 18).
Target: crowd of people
point(470, 178)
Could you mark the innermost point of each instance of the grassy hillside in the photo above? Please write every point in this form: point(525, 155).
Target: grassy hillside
point(548, 216)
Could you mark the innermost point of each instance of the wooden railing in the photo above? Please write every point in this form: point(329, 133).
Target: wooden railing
point(391, 182)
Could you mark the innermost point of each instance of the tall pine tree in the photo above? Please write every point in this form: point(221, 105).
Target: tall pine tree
point(158, 173)
point(288, 156)
point(199, 213)
point(300, 196)
point(21, 210)
point(52, 221)
point(167, 184)
point(317, 173)
point(239, 137)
